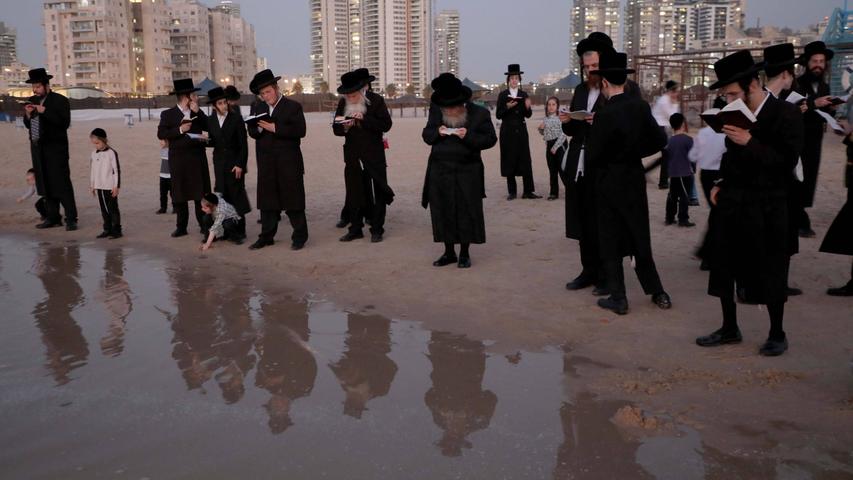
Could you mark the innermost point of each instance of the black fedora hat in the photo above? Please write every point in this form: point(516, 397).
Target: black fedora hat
point(38, 75)
point(596, 42)
point(734, 67)
point(778, 58)
point(449, 91)
point(613, 66)
point(365, 74)
point(513, 69)
point(231, 93)
point(215, 94)
point(261, 80)
point(815, 48)
point(183, 85)
point(352, 82)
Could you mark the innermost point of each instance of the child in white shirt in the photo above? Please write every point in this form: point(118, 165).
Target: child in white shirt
point(105, 180)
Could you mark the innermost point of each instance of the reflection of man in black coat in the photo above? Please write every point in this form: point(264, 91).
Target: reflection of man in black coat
point(513, 108)
point(623, 132)
point(187, 157)
point(280, 166)
point(454, 185)
point(363, 118)
point(47, 115)
point(812, 85)
point(749, 244)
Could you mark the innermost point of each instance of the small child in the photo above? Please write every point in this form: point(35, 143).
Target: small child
point(221, 221)
point(165, 178)
point(105, 181)
point(680, 172)
point(31, 190)
point(556, 143)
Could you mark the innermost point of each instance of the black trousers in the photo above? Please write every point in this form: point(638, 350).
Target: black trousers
point(232, 228)
point(269, 225)
point(165, 191)
point(375, 207)
point(707, 179)
point(678, 199)
point(664, 165)
point(41, 207)
point(183, 210)
point(554, 160)
point(527, 182)
point(109, 211)
point(646, 271)
point(67, 202)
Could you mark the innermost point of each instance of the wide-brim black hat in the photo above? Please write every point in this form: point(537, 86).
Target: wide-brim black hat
point(596, 42)
point(38, 75)
point(448, 91)
point(779, 56)
point(183, 85)
point(513, 69)
point(815, 48)
point(365, 74)
point(231, 93)
point(614, 63)
point(352, 82)
point(734, 67)
point(261, 80)
point(215, 94)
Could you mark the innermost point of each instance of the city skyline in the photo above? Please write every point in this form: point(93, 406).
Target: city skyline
point(283, 32)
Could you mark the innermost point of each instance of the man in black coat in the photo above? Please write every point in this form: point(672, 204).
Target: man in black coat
point(513, 108)
point(748, 238)
point(230, 153)
point(811, 84)
point(278, 136)
point(454, 186)
point(363, 118)
point(183, 126)
point(47, 116)
point(622, 134)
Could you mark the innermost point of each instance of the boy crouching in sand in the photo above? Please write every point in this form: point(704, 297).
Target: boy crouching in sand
point(221, 221)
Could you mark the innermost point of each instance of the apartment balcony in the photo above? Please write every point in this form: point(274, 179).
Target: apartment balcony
point(80, 27)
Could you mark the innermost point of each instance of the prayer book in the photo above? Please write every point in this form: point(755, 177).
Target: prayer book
point(736, 114)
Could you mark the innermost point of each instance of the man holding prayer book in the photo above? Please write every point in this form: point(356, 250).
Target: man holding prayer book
point(748, 239)
point(513, 107)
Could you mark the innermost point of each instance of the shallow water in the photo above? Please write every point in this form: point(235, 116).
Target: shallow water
point(118, 363)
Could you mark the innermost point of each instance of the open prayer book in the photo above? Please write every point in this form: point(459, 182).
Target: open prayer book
point(253, 120)
point(796, 98)
point(577, 114)
point(736, 114)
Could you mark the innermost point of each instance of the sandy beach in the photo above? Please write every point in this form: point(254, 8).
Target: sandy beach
point(794, 410)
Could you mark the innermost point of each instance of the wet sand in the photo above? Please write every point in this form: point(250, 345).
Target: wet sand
point(144, 343)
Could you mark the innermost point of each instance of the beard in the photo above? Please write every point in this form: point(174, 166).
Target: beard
point(816, 72)
point(455, 121)
point(593, 81)
point(357, 107)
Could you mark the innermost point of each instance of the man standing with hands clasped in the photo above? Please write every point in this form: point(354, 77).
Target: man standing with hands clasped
point(47, 116)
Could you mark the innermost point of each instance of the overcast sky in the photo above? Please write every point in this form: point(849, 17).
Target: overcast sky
point(534, 33)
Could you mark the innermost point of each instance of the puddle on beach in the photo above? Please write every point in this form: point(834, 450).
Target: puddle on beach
point(117, 363)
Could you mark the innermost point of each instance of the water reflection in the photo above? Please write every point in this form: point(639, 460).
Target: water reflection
point(235, 343)
point(458, 403)
point(58, 268)
point(115, 294)
point(286, 369)
point(365, 371)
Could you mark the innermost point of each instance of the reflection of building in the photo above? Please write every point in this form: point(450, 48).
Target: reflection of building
point(392, 38)
point(447, 42)
point(595, 16)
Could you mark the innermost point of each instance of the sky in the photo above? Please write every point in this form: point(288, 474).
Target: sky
point(494, 33)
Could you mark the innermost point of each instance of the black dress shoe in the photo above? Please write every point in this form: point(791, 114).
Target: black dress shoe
point(793, 292)
point(115, 235)
point(238, 240)
point(845, 291)
point(70, 226)
point(552, 197)
point(720, 337)
point(48, 224)
point(103, 235)
point(600, 291)
point(161, 211)
point(620, 307)
point(297, 246)
point(773, 348)
point(579, 283)
point(669, 222)
point(259, 244)
point(530, 196)
point(687, 224)
point(180, 232)
point(807, 233)
point(464, 262)
point(341, 224)
point(662, 300)
point(375, 237)
point(445, 260)
point(511, 196)
point(350, 236)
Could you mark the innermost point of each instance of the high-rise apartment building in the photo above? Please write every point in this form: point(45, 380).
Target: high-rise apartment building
point(447, 42)
point(703, 21)
point(151, 47)
point(233, 55)
point(650, 27)
point(190, 33)
point(594, 16)
point(8, 45)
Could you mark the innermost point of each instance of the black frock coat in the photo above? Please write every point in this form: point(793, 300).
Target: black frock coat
point(280, 166)
point(813, 126)
point(230, 149)
point(50, 153)
point(515, 141)
point(454, 186)
point(623, 133)
point(839, 237)
point(749, 235)
point(187, 157)
point(364, 151)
